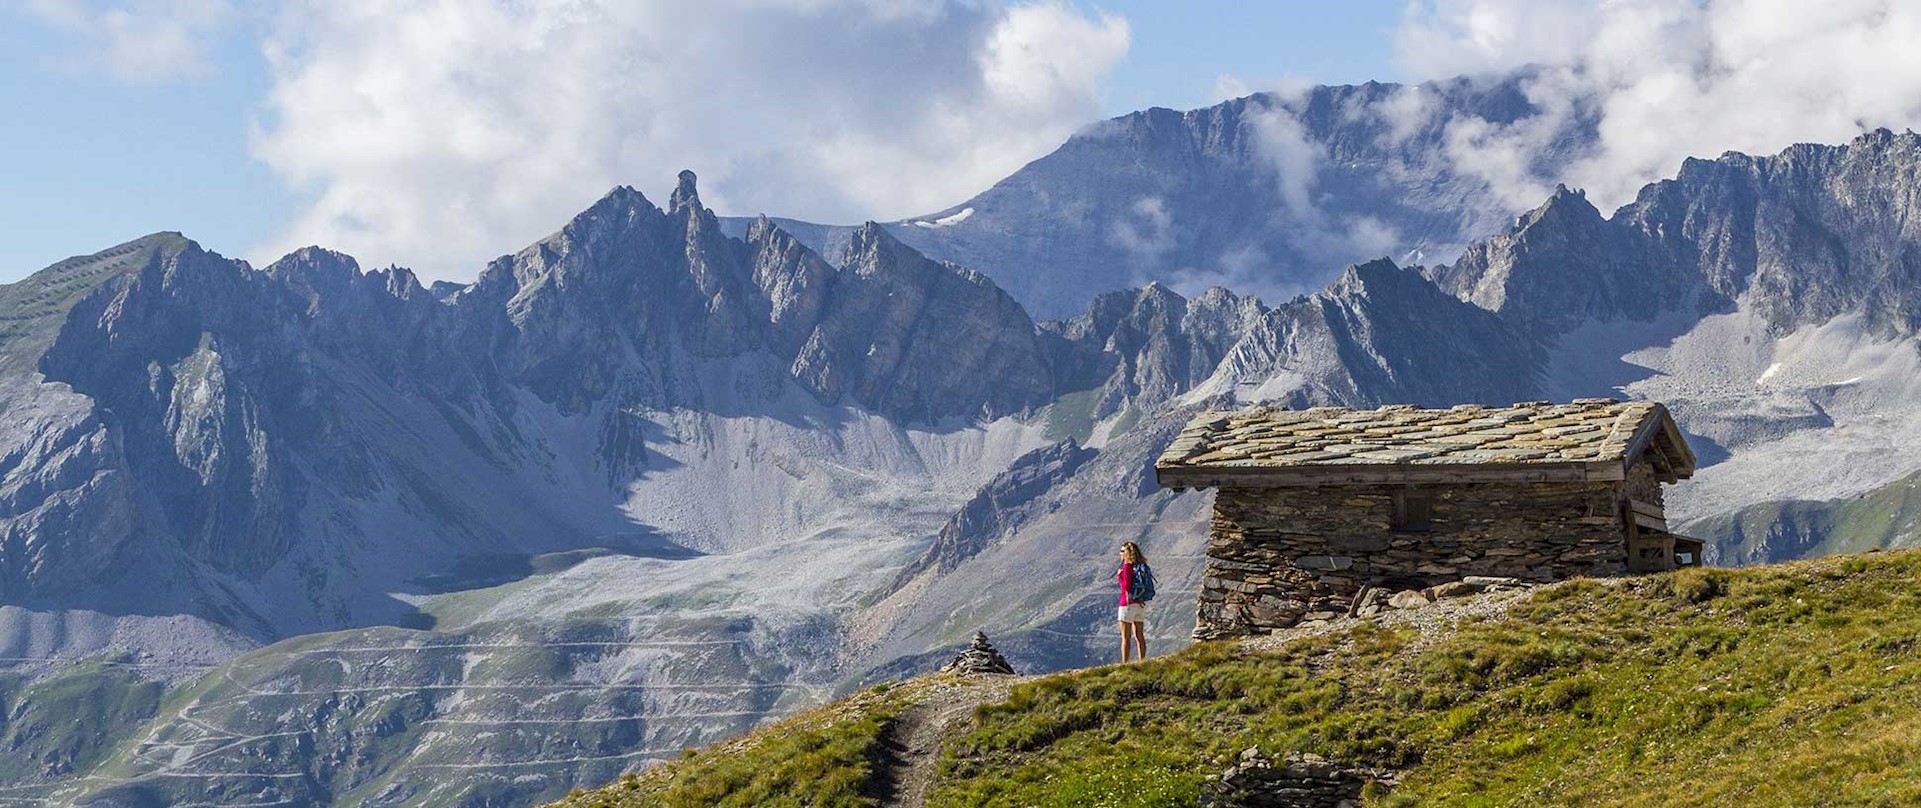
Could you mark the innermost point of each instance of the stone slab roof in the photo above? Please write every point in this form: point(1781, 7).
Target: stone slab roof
point(1536, 441)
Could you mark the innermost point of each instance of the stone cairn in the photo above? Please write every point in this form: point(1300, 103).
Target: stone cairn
point(1297, 780)
point(980, 657)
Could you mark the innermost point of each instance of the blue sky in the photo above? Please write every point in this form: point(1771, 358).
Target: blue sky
point(96, 154)
point(1181, 50)
point(92, 159)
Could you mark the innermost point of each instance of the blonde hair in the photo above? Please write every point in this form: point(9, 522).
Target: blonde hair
point(1133, 551)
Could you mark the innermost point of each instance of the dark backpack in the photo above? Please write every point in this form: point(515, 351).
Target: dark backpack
point(1142, 589)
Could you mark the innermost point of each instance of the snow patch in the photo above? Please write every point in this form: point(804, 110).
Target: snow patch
point(945, 221)
point(1766, 410)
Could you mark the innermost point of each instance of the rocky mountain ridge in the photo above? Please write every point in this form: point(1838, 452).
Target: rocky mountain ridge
point(655, 480)
point(1268, 194)
point(1813, 233)
point(261, 454)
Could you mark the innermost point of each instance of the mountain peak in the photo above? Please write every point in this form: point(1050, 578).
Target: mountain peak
point(1158, 293)
point(761, 229)
point(623, 194)
point(618, 203)
point(124, 257)
point(871, 240)
point(1360, 276)
point(165, 244)
point(314, 255)
point(1564, 203)
point(1379, 279)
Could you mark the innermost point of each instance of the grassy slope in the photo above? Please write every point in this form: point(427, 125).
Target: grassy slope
point(32, 308)
point(71, 721)
point(1886, 517)
point(816, 758)
point(1796, 684)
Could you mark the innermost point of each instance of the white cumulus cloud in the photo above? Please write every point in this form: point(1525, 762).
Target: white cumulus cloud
point(1296, 159)
point(138, 41)
point(1148, 233)
point(438, 134)
point(1664, 80)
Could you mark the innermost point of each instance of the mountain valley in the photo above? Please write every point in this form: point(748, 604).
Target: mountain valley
point(311, 534)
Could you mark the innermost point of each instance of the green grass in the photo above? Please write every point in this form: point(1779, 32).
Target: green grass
point(32, 307)
point(1796, 684)
point(1071, 416)
point(1793, 685)
point(818, 759)
point(1887, 517)
point(1130, 417)
point(71, 721)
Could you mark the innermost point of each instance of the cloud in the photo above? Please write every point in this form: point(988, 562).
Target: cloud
point(1227, 86)
point(440, 134)
point(1407, 111)
point(135, 42)
point(1296, 160)
point(1507, 156)
point(1148, 232)
point(1662, 80)
point(1315, 230)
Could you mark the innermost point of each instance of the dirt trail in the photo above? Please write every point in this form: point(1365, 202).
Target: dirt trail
point(910, 748)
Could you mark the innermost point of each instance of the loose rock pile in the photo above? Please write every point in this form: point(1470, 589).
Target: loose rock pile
point(1373, 600)
point(1297, 780)
point(980, 657)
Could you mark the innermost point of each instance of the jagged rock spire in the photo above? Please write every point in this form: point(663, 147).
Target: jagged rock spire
point(685, 196)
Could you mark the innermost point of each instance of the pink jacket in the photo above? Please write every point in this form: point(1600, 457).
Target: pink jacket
point(1126, 578)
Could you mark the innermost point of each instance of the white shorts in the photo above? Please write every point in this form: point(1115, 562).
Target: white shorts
point(1133, 613)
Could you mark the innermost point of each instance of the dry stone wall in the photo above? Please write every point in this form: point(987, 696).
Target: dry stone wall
point(1277, 556)
point(1642, 485)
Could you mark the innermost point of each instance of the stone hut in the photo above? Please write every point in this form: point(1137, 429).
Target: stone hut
point(1315, 506)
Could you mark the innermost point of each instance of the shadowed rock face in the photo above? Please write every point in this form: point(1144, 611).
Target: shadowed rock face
point(919, 340)
point(627, 300)
point(187, 411)
point(995, 511)
point(1800, 237)
point(316, 429)
point(182, 411)
point(1148, 345)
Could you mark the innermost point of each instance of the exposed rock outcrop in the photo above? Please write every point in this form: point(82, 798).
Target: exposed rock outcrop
point(1149, 345)
point(999, 508)
point(300, 448)
point(1294, 780)
point(1802, 236)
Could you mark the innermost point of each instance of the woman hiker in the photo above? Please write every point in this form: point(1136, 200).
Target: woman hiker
point(1137, 588)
